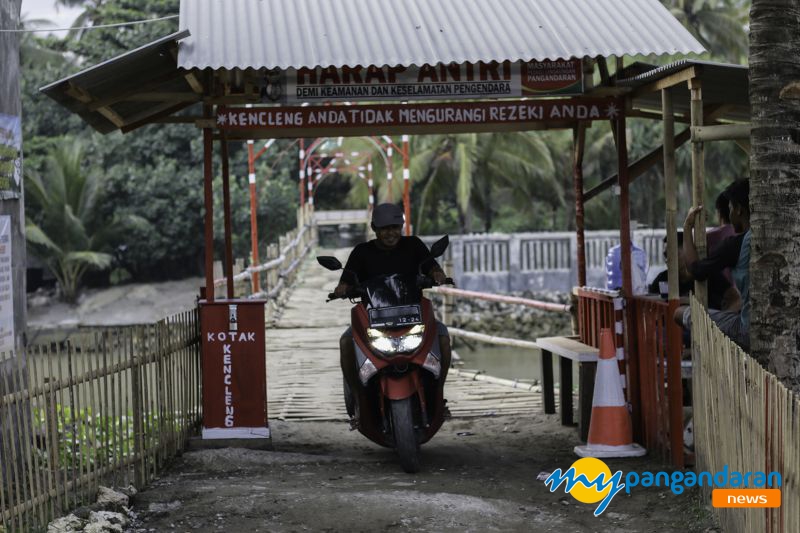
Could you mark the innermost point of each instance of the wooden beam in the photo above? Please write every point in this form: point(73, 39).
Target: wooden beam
point(671, 80)
point(152, 115)
point(639, 167)
point(138, 89)
point(194, 83)
point(157, 96)
point(724, 132)
point(112, 116)
point(184, 119)
point(78, 93)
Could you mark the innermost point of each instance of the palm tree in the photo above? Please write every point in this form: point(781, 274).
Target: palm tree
point(65, 231)
point(719, 25)
point(473, 169)
point(775, 182)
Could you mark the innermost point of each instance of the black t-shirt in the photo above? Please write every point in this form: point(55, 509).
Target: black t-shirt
point(717, 286)
point(724, 255)
point(367, 260)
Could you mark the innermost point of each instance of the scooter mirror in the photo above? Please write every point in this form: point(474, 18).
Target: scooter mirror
point(440, 246)
point(329, 262)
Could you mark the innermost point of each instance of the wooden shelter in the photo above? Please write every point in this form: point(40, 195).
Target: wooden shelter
point(533, 67)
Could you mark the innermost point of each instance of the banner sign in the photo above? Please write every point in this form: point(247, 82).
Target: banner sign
point(10, 155)
point(234, 369)
point(415, 115)
point(427, 82)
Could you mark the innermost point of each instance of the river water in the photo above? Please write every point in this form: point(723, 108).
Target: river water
point(506, 362)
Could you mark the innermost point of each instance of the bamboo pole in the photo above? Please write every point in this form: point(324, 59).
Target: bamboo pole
point(698, 183)
point(670, 194)
point(9, 448)
point(50, 441)
point(27, 425)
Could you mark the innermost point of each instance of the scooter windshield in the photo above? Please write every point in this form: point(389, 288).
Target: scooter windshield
point(392, 291)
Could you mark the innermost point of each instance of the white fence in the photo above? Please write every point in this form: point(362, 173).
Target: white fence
point(539, 261)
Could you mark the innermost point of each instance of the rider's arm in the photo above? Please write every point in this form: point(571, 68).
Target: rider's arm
point(437, 274)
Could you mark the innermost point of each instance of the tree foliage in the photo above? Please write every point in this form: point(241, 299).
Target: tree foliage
point(68, 233)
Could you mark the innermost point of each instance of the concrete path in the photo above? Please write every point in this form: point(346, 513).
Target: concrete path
point(304, 380)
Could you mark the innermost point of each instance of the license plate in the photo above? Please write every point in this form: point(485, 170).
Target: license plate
point(392, 317)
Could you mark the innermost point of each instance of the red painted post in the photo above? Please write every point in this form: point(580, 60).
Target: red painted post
point(406, 186)
point(389, 173)
point(226, 206)
point(302, 174)
point(251, 177)
point(578, 140)
point(208, 148)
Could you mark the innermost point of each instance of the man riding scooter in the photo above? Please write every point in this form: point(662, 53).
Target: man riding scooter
point(388, 253)
point(396, 328)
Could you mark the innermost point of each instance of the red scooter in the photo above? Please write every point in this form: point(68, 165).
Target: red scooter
point(400, 402)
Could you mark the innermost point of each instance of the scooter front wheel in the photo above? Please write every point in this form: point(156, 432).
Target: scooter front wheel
point(405, 438)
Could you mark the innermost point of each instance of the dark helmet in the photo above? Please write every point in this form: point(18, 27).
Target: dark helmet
point(387, 215)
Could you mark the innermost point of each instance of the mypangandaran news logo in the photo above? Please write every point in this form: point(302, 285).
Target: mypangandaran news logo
point(589, 480)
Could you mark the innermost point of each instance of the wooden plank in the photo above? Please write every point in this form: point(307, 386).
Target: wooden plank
point(671, 80)
point(569, 347)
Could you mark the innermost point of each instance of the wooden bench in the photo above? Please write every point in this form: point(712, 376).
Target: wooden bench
point(569, 349)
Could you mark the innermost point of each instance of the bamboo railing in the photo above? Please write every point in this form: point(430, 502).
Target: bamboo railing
point(749, 421)
point(112, 406)
point(283, 259)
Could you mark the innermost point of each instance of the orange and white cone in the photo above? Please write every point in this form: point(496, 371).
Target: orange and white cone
point(610, 433)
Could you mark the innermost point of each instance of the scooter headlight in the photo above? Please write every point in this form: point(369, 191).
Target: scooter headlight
point(391, 345)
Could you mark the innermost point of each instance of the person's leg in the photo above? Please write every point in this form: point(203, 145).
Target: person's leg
point(444, 346)
point(730, 323)
point(347, 361)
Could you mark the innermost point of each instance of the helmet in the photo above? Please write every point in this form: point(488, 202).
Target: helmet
point(387, 215)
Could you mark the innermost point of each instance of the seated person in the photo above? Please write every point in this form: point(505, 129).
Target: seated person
point(715, 236)
point(733, 253)
point(722, 294)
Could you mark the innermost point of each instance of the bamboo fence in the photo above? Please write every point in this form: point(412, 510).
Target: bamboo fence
point(749, 421)
point(278, 272)
point(112, 407)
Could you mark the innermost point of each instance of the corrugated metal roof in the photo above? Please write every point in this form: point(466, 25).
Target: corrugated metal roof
point(150, 67)
point(725, 88)
point(310, 33)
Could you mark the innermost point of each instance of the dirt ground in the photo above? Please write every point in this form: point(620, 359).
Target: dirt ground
point(479, 474)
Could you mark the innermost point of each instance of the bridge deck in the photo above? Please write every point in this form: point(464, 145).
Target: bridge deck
point(304, 381)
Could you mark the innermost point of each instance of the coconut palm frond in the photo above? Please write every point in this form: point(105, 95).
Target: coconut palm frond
point(97, 260)
point(34, 235)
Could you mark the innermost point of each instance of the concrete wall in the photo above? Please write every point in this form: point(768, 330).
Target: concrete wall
point(544, 261)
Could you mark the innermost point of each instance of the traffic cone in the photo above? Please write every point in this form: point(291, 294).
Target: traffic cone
point(610, 433)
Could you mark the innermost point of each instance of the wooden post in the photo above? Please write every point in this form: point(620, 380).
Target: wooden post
point(251, 178)
point(565, 391)
point(208, 147)
point(226, 206)
point(670, 193)
point(698, 183)
point(579, 140)
point(547, 382)
point(406, 186)
point(631, 361)
point(137, 408)
point(624, 208)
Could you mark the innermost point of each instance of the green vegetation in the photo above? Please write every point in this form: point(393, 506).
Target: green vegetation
point(149, 182)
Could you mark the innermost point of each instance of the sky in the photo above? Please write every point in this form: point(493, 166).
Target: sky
point(61, 17)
